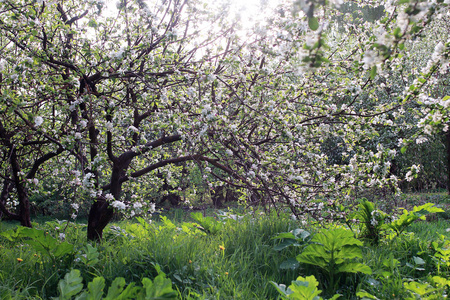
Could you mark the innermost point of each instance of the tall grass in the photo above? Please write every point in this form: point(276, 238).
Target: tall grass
point(237, 262)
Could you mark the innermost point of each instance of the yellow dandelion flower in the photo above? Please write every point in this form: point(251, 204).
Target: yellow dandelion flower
point(226, 273)
point(19, 259)
point(221, 247)
point(190, 261)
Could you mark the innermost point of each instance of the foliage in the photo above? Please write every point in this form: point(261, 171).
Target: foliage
point(334, 252)
point(159, 288)
point(41, 242)
point(372, 221)
point(236, 263)
point(377, 224)
point(89, 256)
point(303, 288)
point(441, 255)
point(408, 217)
point(207, 224)
point(296, 238)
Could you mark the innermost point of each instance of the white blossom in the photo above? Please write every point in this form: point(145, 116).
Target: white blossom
point(152, 208)
point(421, 140)
point(38, 121)
point(119, 205)
point(134, 129)
point(2, 64)
point(109, 126)
point(109, 197)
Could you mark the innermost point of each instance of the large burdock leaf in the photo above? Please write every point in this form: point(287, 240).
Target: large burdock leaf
point(71, 285)
point(159, 288)
point(355, 268)
point(333, 239)
point(96, 288)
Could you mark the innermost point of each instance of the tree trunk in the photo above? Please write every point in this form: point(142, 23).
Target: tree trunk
point(4, 212)
point(24, 202)
point(101, 212)
point(100, 215)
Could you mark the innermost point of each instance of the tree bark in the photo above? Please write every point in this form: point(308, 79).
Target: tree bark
point(101, 212)
point(100, 215)
point(4, 212)
point(24, 202)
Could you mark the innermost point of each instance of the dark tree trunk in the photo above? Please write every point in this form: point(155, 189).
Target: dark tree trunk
point(3, 197)
point(4, 212)
point(24, 202)
point(100, 215)
point(101, 212)
point(218, 196)
point(173, 198)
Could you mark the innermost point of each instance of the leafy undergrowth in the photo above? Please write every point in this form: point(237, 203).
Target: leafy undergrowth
point(229, 256)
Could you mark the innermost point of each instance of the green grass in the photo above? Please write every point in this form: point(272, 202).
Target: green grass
point(238, 262)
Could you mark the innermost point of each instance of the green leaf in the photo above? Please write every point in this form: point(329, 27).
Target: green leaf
point(284, 244)
point(397, 32)
point(302, 233)
point(313, 260)
point(289, 264)
point(285, 235)
point(373, 72)
point(313, 23)
point(440, 281)
point(160, 288)
point(116, 288)
point(305, 288)
point(403, 150)
point(208, 224)
point(71, 285)
point(117, 292)
point(418, 260)
point(62, 249)
point(96, 287)
point(281, 288)
point(335, 238)
point(421, 289)
point(363, 295)
point(355, 268)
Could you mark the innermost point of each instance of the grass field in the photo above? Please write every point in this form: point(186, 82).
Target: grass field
point(232, 256)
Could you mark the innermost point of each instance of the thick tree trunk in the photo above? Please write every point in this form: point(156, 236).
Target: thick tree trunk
point(3, 197)
point(101, 212)
point(100, 215)
point(24, 202)
point(4, 212)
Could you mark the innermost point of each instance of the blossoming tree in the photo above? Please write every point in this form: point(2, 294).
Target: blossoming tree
point(152, 85)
